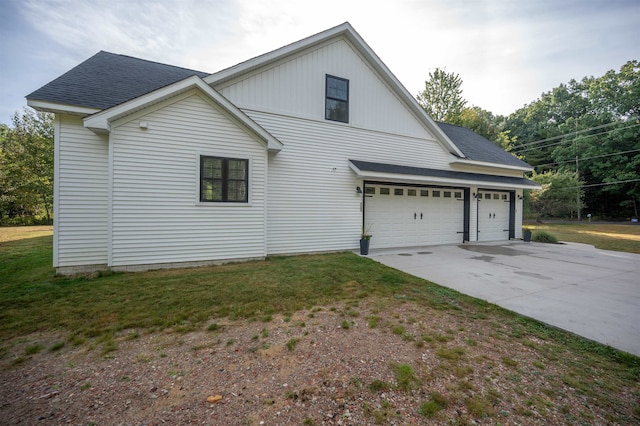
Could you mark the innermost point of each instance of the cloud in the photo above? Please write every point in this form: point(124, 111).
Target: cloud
point(507, 53)
point(165, 31)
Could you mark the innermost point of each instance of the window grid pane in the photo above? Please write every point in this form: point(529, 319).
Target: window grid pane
point(336, 99)
point(223, 179)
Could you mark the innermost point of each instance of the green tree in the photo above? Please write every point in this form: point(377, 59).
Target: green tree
point(591, 126)
point(442, 96)
point(485, 123)
point(560, 195)
point(26, 168)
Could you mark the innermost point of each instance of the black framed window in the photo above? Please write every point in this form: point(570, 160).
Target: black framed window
point(337, 99)
point(224, 179)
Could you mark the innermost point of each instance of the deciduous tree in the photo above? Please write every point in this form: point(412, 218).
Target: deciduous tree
point(26, 168)
point(442, 96)
point(560, 194)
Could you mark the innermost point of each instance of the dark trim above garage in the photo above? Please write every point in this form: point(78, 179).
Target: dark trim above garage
point(377, 170)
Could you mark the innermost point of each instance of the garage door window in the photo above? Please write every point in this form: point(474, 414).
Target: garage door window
point(458, 195)
point(411, 192)
point(447, 194)
point(370, 190)
point(424, 192)
point(398, 191)
point(436, 193)
point(384, 191)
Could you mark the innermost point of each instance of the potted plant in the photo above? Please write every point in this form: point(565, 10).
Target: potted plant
point(365, 238)
point(526, 235)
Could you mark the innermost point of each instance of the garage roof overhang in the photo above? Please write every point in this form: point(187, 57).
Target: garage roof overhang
point(397, 173)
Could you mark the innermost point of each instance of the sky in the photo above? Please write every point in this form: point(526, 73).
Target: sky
point(507, 52)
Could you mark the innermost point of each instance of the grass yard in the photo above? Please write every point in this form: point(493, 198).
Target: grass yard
point(100, 312)
point(617, 237)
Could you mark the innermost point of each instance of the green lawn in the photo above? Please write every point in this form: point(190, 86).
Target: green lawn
point(98, 311)
point(618, 237)
point(33, 299)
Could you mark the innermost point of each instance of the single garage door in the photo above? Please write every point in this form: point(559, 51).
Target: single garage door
point(493, 215)
point(400, 216)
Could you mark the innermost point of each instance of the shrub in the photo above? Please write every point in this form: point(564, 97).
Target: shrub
point(544, 237)
point(433, 406)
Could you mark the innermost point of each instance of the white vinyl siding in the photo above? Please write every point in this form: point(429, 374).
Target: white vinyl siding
point(157, 216)
point(492, 171)
point(296, 88)
point(519, 211)
point(313, 205)
point(82, 197)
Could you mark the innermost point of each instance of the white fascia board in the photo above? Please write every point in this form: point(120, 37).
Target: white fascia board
point(101, 122)
point(276, 55)
point(395, 84)
point(429, 180)
point(489, 165)
point(349, 33)
point(57, 108)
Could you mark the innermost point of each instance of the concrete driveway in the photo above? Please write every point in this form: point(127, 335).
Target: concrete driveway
point(590, 292)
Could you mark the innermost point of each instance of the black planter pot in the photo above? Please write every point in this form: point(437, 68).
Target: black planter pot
point(527, 236)
point(364, 247)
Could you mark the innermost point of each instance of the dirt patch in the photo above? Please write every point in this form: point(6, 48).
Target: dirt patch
point(320, 366)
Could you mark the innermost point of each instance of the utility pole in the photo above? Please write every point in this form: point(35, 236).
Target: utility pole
point(575, 148)
point(578, 193)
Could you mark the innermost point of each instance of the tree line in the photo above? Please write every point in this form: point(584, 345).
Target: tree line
point(26, 169)
point(582, 137)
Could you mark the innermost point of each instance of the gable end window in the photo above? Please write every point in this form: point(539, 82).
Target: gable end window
point(337, 99)
point(224, 179)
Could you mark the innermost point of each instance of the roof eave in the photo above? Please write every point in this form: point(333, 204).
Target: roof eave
point(101, 122)
point(436, 180)
point(58, 108)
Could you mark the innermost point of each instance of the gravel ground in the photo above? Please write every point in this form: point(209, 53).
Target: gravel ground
point(325, 366)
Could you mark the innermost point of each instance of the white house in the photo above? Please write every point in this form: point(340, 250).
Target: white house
point(289, 152)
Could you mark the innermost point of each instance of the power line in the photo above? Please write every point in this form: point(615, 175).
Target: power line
point(611, 183)
point(571, 133)
point(518, 150)
point(589, 158)
point(600, 184)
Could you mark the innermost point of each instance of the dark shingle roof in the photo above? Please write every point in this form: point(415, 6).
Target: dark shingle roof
point(107, 79)
point(478, 148)
point(436, 173)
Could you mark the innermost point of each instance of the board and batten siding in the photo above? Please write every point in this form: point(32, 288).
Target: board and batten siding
point(296, 87)
point(157, 217)
point(313, 204)
point(82, 195)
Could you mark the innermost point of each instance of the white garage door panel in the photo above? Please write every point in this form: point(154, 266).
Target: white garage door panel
point(407, 216)
point(493, 216)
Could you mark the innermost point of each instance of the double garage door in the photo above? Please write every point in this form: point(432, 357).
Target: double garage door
point(400, 216)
